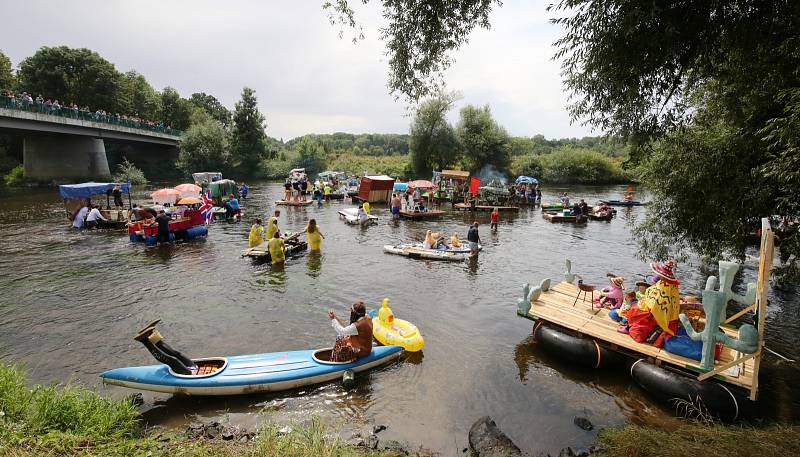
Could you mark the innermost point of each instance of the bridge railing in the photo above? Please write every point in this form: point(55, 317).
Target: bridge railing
point(79, 114)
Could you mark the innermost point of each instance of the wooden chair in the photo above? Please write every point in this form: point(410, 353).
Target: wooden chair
point(584, 288)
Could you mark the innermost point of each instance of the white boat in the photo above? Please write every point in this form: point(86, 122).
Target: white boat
point(350, 216)
point(414, 251)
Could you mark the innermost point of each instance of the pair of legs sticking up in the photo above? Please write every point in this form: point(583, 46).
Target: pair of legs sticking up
point(154, 342)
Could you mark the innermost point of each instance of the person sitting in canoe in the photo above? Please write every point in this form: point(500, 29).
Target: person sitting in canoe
point(154, 342)
point(256, 236)
point(354, 340)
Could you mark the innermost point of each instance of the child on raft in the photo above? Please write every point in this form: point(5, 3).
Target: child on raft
point(621, 314)
point(611, 297)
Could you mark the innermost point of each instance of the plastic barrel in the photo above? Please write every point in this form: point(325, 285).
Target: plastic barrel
point(196, 232)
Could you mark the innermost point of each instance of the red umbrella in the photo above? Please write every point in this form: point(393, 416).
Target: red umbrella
point(188, 188)
point(421, 183)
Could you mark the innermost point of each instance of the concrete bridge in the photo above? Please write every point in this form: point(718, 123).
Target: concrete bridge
point(64, 147)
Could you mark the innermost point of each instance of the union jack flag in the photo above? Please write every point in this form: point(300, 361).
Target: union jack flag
point(205, 209)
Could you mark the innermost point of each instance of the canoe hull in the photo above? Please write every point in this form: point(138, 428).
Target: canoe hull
point(248, 374)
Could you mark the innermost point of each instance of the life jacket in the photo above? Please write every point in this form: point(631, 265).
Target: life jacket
point(362, 343)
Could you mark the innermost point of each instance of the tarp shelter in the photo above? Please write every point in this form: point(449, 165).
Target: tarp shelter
point(375, 189)
point(89, 189)
point(526, 180)
point(400, 186)
point(455, 174)
point(223, 188)
point(474, 184)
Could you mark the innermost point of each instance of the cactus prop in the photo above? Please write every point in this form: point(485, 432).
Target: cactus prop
point(727, 272)
point(714, 304)
point(569, 276)
point(531, 295)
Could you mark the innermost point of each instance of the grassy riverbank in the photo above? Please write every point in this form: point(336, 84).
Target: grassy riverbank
point(701, 440)
point(53, 421)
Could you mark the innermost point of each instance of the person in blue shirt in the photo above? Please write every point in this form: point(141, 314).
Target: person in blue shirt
point(232, 207)
point(244, 190)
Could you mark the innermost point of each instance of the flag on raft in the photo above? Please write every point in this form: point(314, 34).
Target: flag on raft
point(205, 210)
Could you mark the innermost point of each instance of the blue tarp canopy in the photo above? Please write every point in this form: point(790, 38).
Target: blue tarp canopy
point(88, 189)
point(401, 186)
point(527, 180)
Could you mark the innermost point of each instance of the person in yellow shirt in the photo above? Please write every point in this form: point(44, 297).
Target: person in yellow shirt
point(366, 208)
point(454, 241)
point(313, 235)
point(256, 234)
point(277, 250)
point(272, 225)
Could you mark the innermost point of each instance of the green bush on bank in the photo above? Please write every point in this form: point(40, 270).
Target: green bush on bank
point(15, 177)
point(128, 172)
point(571, 166)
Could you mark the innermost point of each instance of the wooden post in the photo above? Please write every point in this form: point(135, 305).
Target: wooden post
point(762, 289)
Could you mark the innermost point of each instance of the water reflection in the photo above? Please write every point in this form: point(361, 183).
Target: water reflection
point(314, 264)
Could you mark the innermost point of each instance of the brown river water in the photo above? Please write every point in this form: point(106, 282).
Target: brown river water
point(70, 303)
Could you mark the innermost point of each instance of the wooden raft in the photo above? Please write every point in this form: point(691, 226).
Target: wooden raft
point(557, 217)
point(293, 203)
point(466, 207)
point(415, 215)
point(555, 306)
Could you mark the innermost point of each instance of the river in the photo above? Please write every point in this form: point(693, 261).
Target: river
point(71, 302)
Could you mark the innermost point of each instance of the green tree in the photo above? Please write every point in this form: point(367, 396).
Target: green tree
point(72, 75)
point(484, 142)
point(204, 146)
point(6, 73)
point(248, 140)
point(311, 156)
point(175, 111)
point(432, 140)
point(139, 97)
point(213, 106)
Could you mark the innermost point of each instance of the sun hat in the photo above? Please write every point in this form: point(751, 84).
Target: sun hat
point(618, 281)
point(664, 270)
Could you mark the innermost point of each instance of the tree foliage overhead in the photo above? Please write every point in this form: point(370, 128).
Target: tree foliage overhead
point(419, 36)
point(483, 140)
point(138, 97)
point(432, 140)
point(248, 132)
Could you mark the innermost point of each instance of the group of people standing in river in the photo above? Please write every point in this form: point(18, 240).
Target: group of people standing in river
point(276, 242)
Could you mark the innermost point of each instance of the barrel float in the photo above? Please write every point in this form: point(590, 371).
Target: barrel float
point(196, 232)
point(582, 351)
point(670, 386)
point(152, 240)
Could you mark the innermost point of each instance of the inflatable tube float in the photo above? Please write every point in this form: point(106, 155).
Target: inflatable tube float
point(246, 374)
point(670, 386)
point(390, 331)
point(582, 351)
point(413, 252)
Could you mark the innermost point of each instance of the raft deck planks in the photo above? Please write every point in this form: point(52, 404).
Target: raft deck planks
point(559, 218)
point(555, 306)
point(421, 214)
point(465, 207)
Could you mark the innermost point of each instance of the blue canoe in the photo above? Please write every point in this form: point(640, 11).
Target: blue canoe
point(622, 202)
point(245, 374)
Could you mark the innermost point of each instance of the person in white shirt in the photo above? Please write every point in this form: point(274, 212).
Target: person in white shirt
point(80, 217)
point(94, 215)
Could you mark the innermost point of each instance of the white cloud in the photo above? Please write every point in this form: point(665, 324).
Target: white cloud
point(306, 77)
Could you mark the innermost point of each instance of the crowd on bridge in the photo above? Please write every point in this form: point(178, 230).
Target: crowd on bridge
point(25, 102)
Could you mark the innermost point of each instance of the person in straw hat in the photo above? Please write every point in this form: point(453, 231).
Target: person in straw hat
point(655, 318)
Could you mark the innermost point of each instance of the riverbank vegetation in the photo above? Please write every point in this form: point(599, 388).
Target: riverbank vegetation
point(55, 421)
point(708, 440)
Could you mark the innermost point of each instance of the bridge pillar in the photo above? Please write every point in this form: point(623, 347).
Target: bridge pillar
point(62, 156)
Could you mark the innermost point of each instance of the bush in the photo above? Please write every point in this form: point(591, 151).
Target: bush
point(394, 166)
point(128, 172)
point(205, 146)
point(571, 166)
point(276, 168)
point(15, 177)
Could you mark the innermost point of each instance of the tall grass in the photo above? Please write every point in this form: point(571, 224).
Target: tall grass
point(71, 409)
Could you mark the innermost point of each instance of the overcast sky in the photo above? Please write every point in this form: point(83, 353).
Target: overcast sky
point(307, 79)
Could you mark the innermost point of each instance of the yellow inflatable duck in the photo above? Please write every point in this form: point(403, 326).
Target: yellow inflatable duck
point(395, 332)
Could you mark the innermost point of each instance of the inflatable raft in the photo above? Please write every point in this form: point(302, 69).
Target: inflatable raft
point(350, 216)
point(415, 251)
point(389, 330)
point(246, 374)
